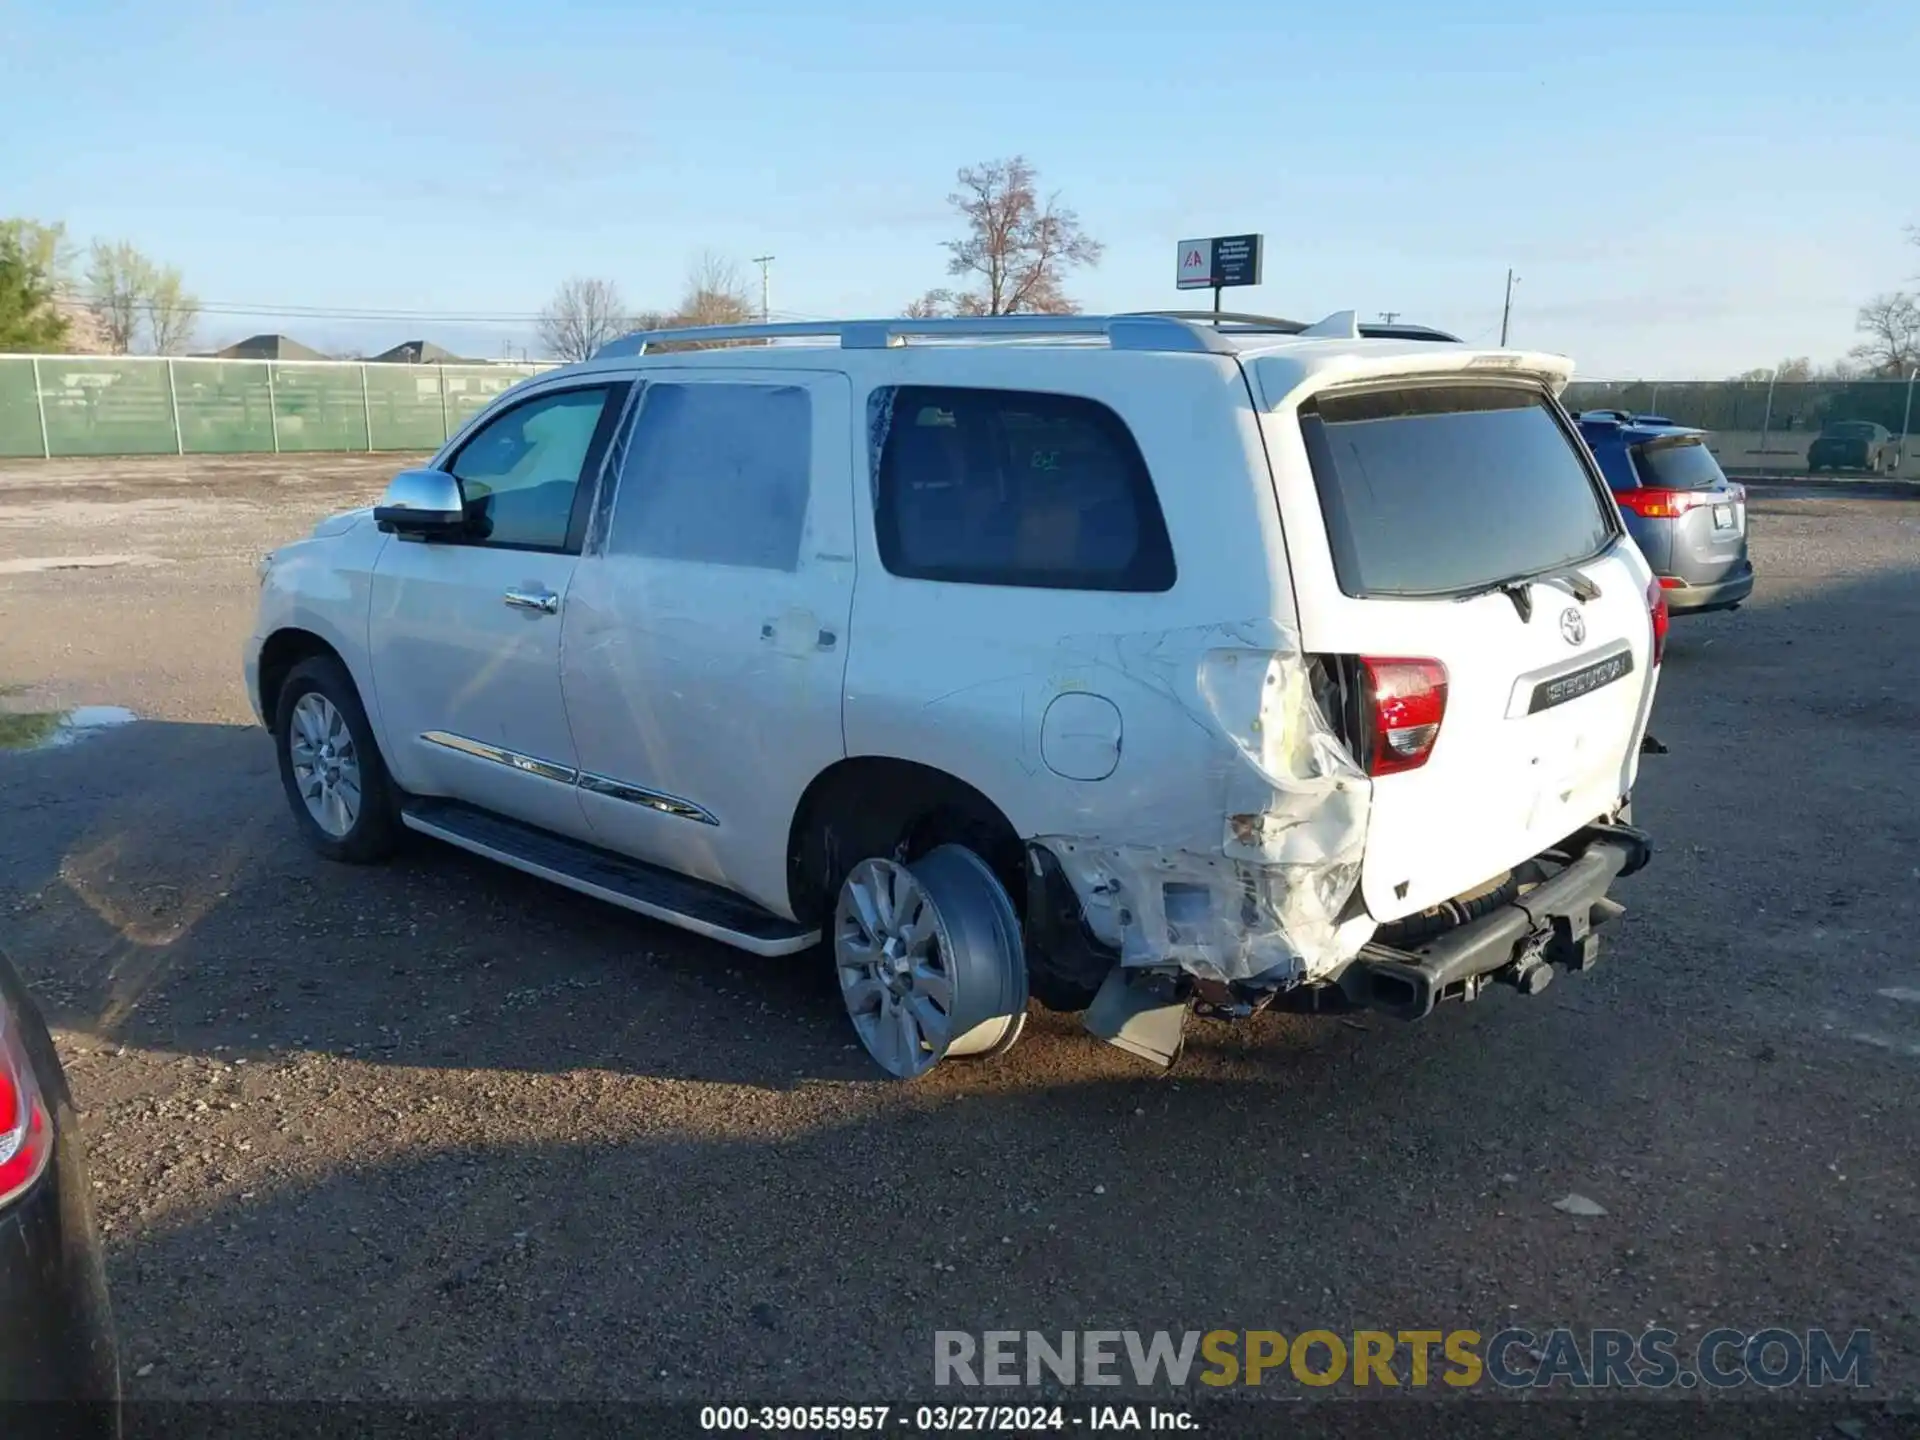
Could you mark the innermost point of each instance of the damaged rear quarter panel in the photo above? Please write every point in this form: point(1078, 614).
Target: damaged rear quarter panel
point(1216, 714)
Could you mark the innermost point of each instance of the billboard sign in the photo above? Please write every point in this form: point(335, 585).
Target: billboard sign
point(1219, 263)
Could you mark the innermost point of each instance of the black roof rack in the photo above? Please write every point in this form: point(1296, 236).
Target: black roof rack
point(1385, 331)
point(1244, 323)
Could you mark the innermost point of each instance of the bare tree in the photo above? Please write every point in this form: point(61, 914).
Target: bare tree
point(119, 277)
point(172, 313)
point(582, 316)
point(1891, 324)
point(1019, 247)
point(716, 293)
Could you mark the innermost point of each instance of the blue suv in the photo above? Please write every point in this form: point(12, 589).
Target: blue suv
point(1688, 519)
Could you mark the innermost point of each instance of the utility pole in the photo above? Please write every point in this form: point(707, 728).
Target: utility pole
point(1906, 425)
point(1766, 421)
point(763, 261)
point(1387, 317)
point(1506, 311)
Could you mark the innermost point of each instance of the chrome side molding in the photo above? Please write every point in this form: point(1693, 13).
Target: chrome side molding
point(512, 759)
point(639, 795)
point(566, 775)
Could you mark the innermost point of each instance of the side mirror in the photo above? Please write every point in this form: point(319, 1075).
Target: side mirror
point(424, 503)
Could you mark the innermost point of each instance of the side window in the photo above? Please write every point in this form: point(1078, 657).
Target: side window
point(1616, 467)
point(521, 470)
point(716, 473)
point(1009, 487)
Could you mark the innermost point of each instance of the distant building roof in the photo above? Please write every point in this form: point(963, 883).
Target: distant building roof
point(268, 347)
point(419, 352)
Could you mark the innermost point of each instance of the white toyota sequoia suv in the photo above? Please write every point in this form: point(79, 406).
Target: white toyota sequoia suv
point(1133, 663)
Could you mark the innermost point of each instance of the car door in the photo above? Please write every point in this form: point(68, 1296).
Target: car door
point(465, 633)
point(706, 633)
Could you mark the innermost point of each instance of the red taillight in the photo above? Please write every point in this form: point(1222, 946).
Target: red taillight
point(1662, 504)
point(1657, 605)
point(26, 1131)
point(1406, 700)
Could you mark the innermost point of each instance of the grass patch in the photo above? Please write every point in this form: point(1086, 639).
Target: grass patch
point(23, 731)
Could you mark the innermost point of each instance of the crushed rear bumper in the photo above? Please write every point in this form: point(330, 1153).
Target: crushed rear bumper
point(1552, 922)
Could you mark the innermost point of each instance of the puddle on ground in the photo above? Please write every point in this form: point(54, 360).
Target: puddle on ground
point(52, 729)
point(38, 564)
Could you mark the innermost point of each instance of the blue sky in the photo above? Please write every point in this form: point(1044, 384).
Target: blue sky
point(1686, 189)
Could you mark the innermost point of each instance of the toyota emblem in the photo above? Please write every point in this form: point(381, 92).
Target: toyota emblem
point(1573, 626)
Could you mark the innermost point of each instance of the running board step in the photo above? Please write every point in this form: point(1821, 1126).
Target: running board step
point(663, 895)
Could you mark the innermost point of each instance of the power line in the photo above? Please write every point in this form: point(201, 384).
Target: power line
point(344, 312)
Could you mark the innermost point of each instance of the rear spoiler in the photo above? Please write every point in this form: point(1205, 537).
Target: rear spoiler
point(1283, 379)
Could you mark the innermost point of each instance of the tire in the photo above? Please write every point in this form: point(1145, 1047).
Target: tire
point(929, 960)
point(327, 750)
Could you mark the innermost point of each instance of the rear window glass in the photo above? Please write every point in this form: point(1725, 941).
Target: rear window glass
point(1849, 430)
point(1682, 465)
point(1433, 489)
point(1011, 487)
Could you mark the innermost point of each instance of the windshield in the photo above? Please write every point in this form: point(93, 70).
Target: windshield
point(1434, 489)
point(1678, 465)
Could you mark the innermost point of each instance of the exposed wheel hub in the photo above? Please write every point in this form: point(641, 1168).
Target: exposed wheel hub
point(929, 960)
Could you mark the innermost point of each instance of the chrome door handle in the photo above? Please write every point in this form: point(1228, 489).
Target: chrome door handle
point(543, 601)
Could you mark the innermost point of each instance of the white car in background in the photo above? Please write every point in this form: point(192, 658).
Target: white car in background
point(1130, 662)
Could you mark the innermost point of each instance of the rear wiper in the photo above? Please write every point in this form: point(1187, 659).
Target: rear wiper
point(1579, 586)
point(1520, 590)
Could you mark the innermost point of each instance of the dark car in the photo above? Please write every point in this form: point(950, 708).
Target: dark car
point(1688, 519)
point(1853, 445)
point(56, 1331)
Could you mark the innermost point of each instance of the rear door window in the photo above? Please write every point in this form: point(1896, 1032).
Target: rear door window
point(716, 473)
point(1009, 487)
point(1435, 489)
point(1678, 465)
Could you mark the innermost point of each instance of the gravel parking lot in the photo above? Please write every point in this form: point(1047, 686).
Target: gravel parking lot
point(437, 1130)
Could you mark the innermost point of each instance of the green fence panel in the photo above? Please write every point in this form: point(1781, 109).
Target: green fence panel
point(403, 402)
point(1795, 407)
point(19, 412)
point(320, 407)
point(226, 406)
point(471, 388)
point(149, 405)
point(107, 407)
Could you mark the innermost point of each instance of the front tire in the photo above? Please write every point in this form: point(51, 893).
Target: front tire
point(929, 960)
point(330, 766)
